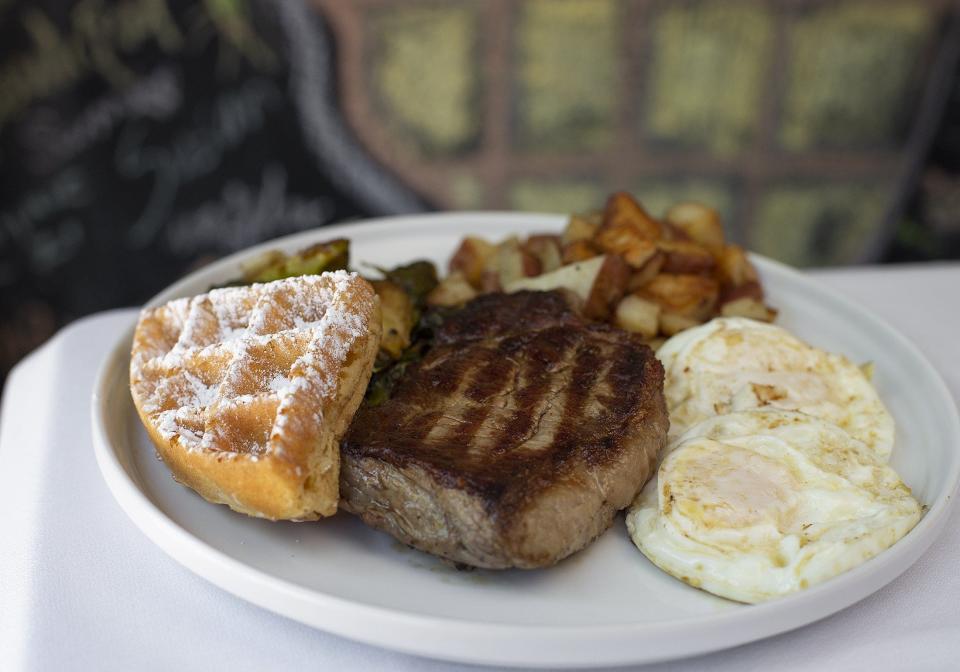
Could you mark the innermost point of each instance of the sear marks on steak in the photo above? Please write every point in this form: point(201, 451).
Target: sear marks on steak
point(514, 441)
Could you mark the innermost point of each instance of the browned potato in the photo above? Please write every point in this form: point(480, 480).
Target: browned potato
point(453, 290)
point(579, 227)
point(627, 230)
point(671, 232)
point(618, 239)
point(751, 290)
point(748, 307)
point(471, 259)
point(673, 323)
point(578, 250)
point(600, 282)
point(546, 249)
point(734, 268)
point(679, 272)
point(686, 257)
point(578, 277)
point(637, 315)
point(701, 223)
point(396, 309)
point(638, 254)
point(623, 212)
point(685, 295)
point(490, 282)
point(608, 288)
point(512, 262)
point(647, 272)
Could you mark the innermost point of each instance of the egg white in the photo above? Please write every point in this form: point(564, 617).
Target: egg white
point(762, 503)
point(735, 364)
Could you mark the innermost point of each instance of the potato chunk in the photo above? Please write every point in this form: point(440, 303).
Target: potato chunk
point(638, 315)
point(578, 250)
point(627, 230)
point(734, 267)
point(701, 223)
point(686, 257)
point(641, 276)
point(547, 250)
point(579, 227)
point(512, 262)
point(600, 282)
point(471, 259)
point(748, 307)
point(453, 290)
point(622, 212)
point(693, 296)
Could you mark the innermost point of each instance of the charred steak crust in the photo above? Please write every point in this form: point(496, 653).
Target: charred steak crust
point(516, 439)
point(501, 315)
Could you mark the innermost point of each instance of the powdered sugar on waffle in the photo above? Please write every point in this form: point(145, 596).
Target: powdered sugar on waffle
point(244, 352)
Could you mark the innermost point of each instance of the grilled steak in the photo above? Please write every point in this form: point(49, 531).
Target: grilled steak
point(514, 441)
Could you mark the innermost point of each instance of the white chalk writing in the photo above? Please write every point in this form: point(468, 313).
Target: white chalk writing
point(194, 152)
point(246, 215)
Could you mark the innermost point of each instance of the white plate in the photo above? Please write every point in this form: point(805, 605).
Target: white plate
point(606, 605)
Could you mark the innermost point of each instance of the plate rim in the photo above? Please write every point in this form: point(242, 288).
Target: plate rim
point(410, 632)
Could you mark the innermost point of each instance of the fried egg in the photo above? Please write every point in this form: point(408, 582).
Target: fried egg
point(762, 503)
point(735, 364)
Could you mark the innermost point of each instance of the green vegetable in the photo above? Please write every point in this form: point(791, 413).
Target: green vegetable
point(383, 380)
point(332, 255)
point(387, 372)
point(417, 279)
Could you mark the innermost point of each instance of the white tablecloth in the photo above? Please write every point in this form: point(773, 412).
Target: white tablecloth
point(81, 588)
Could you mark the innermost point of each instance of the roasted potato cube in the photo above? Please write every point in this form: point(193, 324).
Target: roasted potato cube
point(546, 249)
point(453, 290)
point(617, 239)
point(490, 282)
point(638, 254)
point(701, 223)
point(577, 277)
point(579, 227)
point(671, 232)
point(608, 288)
point(578, 250)
point(686, 257)
point(624, 239)
point(624, 223)
point(637, 315)
point(600, 282)
point(398, 317)
point(673, 323)
point(623, 209)
point(751, 290)
point(685, 295)
point(512, 262)
point(647, 272)
point(471, 259)
point(734, 267)
point(748, 307)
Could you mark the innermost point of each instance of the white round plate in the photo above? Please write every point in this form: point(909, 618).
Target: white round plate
point(606, 605)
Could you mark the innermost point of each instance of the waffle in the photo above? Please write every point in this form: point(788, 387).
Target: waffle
point(246, 391)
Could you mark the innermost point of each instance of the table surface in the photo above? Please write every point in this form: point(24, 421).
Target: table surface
point(82, 588)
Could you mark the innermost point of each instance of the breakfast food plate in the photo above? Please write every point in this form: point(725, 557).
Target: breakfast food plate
point(605, 605)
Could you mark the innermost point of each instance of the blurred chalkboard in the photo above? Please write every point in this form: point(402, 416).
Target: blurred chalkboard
point(139, 138)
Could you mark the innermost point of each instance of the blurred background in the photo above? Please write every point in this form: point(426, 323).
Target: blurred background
point(142, 138)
